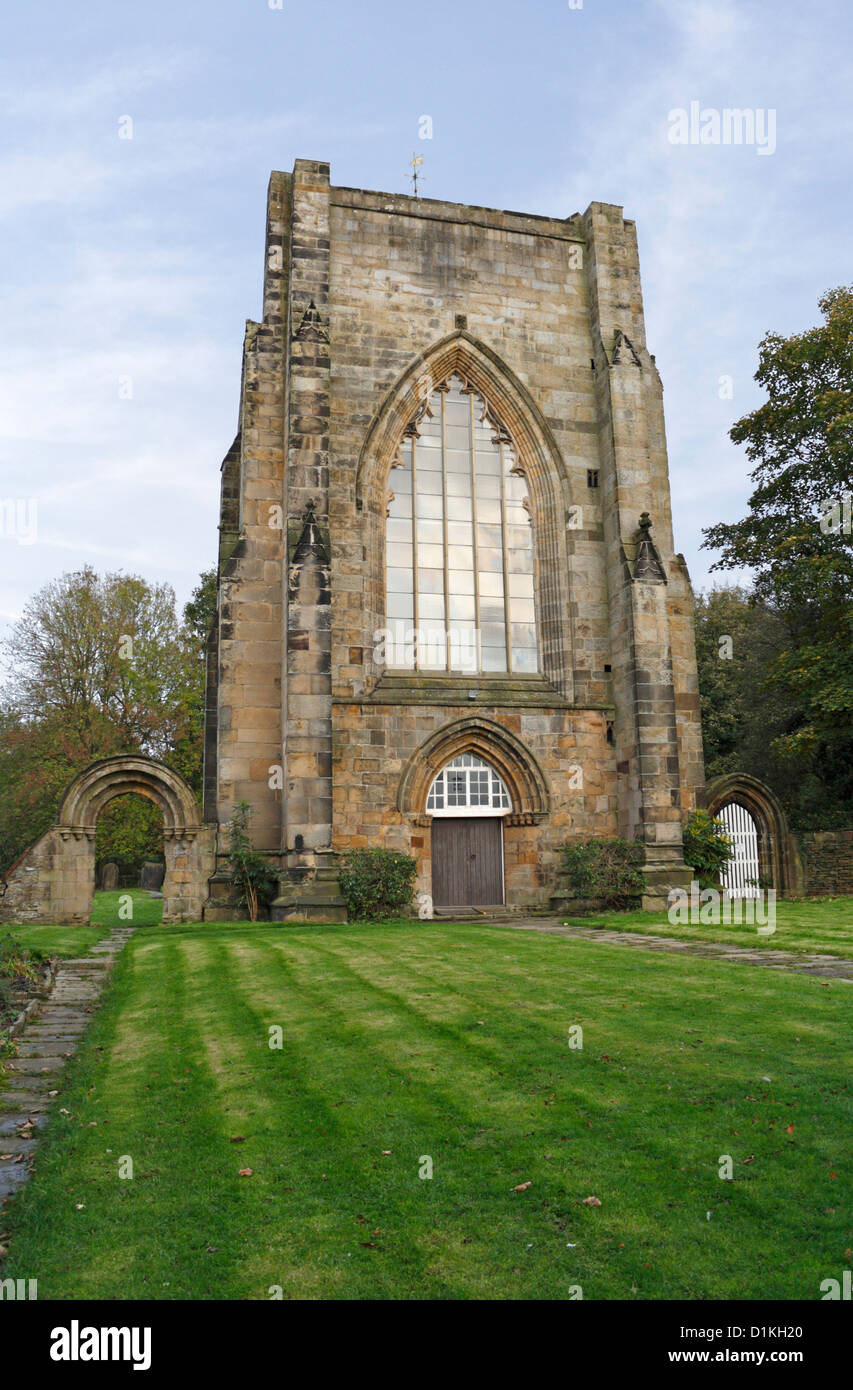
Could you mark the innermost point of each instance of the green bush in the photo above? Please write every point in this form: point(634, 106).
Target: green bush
point(607, 870)
point(707, 848)
point(250, 870)
point(377, 883)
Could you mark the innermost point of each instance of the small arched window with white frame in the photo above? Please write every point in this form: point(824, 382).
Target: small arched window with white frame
point(467, 786)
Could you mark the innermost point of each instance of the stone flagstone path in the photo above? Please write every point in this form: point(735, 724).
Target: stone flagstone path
point(44, 1046)
point(832, 967)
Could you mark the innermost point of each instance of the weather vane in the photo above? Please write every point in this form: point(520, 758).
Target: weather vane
point(416, 162)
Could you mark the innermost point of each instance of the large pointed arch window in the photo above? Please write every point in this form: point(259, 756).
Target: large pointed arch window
point(459, 542)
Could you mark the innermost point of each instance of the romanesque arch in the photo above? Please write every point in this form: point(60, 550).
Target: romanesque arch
point(490, 741)
point(539, 458)
point(54, 880)
point(777, 853)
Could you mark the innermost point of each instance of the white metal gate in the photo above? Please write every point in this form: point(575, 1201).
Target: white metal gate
point(740, 876)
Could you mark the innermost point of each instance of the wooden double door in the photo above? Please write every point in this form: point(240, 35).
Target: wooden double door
point(467, 861)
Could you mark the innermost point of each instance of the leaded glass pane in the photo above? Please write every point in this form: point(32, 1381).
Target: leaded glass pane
point(459, 484)
point(431, 606)
point(460, 533)
point(398, 554)
point(459, 508)
point(431, 533)
point(430, 581)
point(489, 489)
point(398, 581)
point(522, 611)
point(490, 584)
point(399, 606)
point(430, 556)
point(461, 582)
point(461, 607)
point(521, 585)
point(429, 506)
point(524, 659)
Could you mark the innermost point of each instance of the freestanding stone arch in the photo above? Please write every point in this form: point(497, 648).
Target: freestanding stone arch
point(53, 881)
point(778, 860)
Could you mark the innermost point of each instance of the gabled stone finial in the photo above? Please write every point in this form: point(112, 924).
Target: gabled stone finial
point(647, 565)
point(623, 350)
point(312, 327)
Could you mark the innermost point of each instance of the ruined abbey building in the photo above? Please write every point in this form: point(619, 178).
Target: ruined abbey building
point(451, 619)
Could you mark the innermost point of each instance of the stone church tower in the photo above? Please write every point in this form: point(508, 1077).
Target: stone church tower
point(451, 620)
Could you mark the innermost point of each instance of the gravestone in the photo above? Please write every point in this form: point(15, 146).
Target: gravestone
point(152, 875)
point(109, 878)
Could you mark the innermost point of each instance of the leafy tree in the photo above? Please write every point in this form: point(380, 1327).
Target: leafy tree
point(187, 753)
point(129, 833)
point(798, 540)
point(250, 871)
point(103, 657)
point(99, 666)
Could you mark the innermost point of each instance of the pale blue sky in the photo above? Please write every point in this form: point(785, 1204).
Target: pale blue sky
point(143, 257)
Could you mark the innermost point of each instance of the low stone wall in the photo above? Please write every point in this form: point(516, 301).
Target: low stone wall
point(52, 881)
point(827, 860)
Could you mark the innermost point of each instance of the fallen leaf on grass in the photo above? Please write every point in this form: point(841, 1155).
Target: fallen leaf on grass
point(591, 1202)
point(239, 1139)
point(789, 1129)
point(522, 1186)
point(245, 1173)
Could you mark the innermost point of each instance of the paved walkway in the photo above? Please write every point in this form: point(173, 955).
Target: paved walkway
point(44, 1046)
point(833, 967)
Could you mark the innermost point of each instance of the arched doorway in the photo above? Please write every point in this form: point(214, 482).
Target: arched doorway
point(756, 809)
point(444, 787)
point(53, 881)
point(467, 801)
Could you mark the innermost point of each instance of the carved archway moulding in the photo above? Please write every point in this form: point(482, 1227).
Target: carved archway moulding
point(495, 744)
point(778, 859)
point(483, 370)
point(101, 782)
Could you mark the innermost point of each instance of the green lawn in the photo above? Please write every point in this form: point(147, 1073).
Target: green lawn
point(77, 941)
point(55, 941)
point(802, 924)
point(449, 1042)
point(110, 909)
